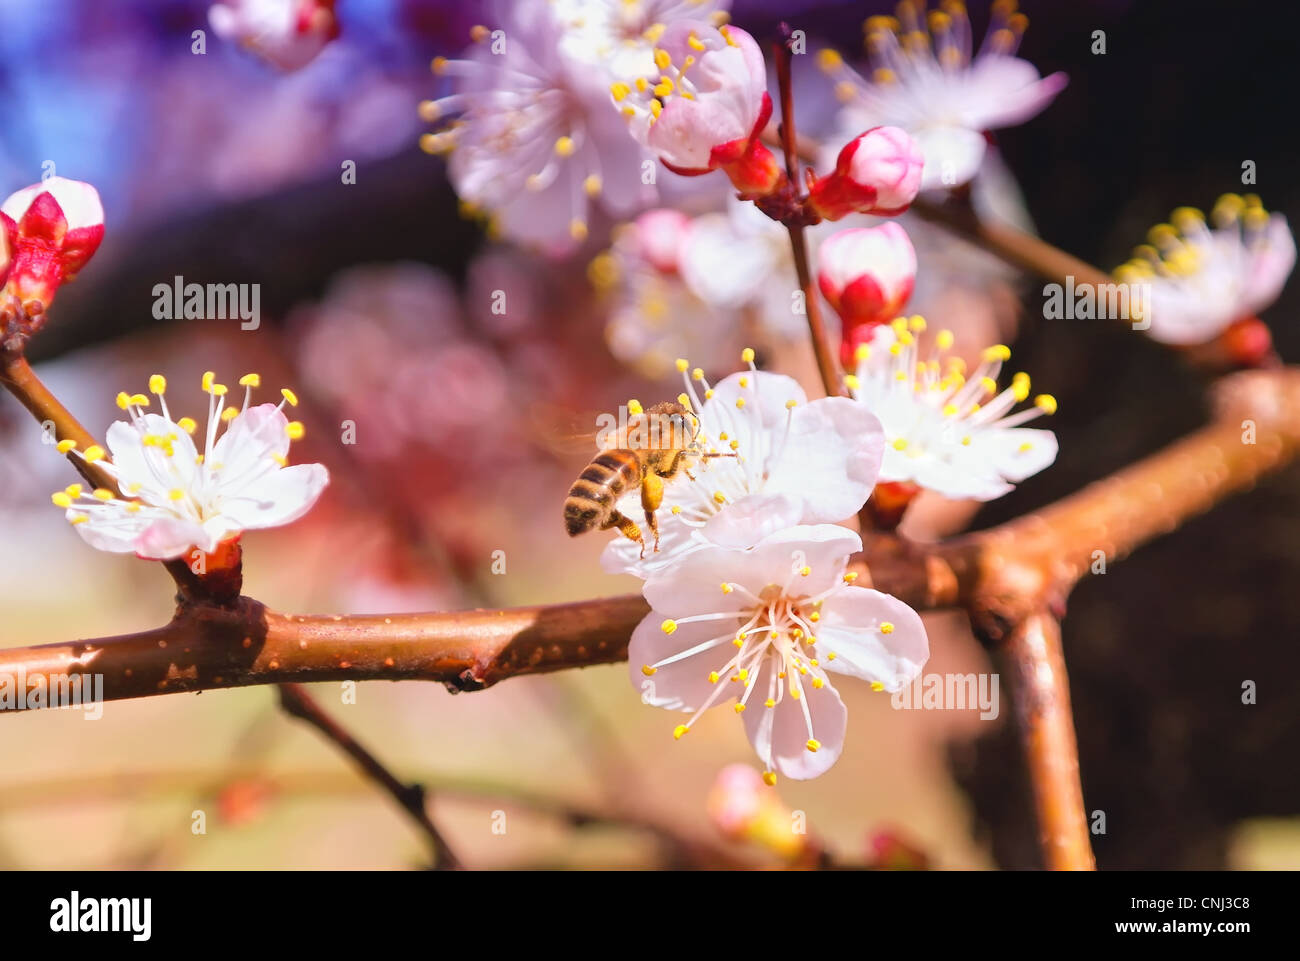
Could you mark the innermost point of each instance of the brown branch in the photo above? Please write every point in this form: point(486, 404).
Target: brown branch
point(1041, 692)
point(826, 362)
point(409, 797)
point(1015, 246)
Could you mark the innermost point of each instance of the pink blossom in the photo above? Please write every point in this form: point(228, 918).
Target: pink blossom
point(706, 107)
point(867, 275)
point(877, 172)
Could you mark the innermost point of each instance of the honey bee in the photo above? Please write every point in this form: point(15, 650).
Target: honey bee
point(650, 450)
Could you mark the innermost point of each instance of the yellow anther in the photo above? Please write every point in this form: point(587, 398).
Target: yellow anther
point(965, 441)
point(805, 571)
point(578, 229)
point(877, 686)
point(740, 403)
point(747, 355)
point(740, 708)
point(664, 87)
point(251, 380)
point(668, 626)
point(830, 656)
point(769, 703)
point(478, 33)
point(676, 509)
point(713, 677)
point(662, 60)
point(140, 400)
point(829, 59)
point(719, 497)
point(620, 91)
point(634, 408)
point(769, 778)
point(949, 410)
point(61, 499)
point(649, 671)
point(439, 65)
point(1025, 448)
point(280, 459)
point(187, 424)
point(229, 414)
point(813, 744)
point(123, 400)
point(289, 396)
point(694, 42)
point(817, 683)
point(103, 494)
point(727, 588)
point(592, 185)
point(850, 577)
point(209, 378)
point(78, 519)
point(989, 385)
point(742, 674)
point(900, 444)
point(916, 324)
point(175, 494)
point(887, 627)
point(679, 730)
point(94, 453)
point(851, 381)
point(220, 390)
point(564, 146)
point(997, 352)
point(654, 32)
point(1046, 403)
point(66, 445)
point(744, 381)
point(943, 339)
point(295, 429)
point(815, 616)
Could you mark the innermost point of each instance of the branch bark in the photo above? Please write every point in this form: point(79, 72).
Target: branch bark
point(1041, 692)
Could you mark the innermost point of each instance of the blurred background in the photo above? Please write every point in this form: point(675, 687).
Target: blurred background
point(376, 301)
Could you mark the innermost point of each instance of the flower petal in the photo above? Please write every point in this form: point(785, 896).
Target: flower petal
point(780, 734)
point(874, 636)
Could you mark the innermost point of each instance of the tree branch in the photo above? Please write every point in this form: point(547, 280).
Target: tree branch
point(1041, 692)
point(409, 797)
point(826, 362)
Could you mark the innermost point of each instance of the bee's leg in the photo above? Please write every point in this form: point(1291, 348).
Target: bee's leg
point(671, 469)
point(626, 526)
point(652, 495)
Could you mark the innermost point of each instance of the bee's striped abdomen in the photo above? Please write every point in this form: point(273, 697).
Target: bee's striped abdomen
point(593, 496)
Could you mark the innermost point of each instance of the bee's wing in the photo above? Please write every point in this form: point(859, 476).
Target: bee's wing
point(564, 433)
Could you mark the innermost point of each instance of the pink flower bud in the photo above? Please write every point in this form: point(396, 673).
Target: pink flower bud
point(877, 172)
point(735, 802)
point(867, 274)
point(659, 236)
point(53, 228)
point(286, 33)
point(706, 107)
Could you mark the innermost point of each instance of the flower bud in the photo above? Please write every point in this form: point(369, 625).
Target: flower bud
point(877, 172)
point(286, 33)
point(706, 107)
point(659, 237)
point(867, 275)
point(743, 808)
point(52, 229)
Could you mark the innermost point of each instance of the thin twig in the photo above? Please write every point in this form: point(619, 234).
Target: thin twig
point(827, 365)
point(410, 797)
